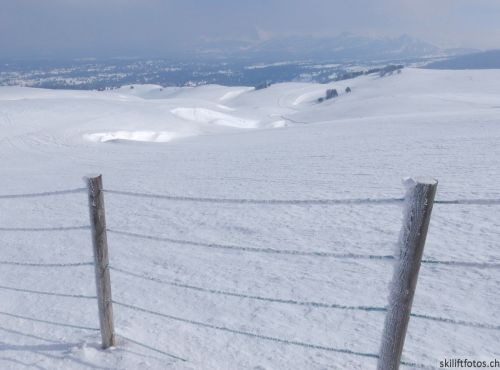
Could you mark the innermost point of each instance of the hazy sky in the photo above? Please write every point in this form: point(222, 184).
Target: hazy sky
point(159, 27)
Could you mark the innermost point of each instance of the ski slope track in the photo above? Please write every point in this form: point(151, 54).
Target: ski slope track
point(249, 229)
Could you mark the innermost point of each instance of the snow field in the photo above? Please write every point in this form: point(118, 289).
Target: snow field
point(436, 123)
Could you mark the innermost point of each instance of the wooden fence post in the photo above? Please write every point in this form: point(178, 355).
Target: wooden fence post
point(419, 201)
point(101, 260)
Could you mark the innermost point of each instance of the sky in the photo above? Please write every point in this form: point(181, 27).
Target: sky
point(111, 28)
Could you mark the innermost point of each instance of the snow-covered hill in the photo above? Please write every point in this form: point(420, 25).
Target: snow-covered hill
point(235, 142)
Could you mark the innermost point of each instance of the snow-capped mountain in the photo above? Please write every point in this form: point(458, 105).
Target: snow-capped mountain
point(345, 46)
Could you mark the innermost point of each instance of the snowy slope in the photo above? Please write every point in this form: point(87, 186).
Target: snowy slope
point(230, 142)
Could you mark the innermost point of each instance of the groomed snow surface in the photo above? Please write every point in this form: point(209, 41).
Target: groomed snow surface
point(219, 302)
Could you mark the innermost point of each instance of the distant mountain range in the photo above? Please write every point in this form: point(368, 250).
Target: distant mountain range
point(484, 60)
point(342, 48)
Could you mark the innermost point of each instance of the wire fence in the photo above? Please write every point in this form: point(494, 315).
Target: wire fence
point(296, 302)
point(212, 291)
point(296, 252)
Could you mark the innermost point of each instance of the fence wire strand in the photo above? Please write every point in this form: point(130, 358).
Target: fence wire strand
point(65, 295)
point(49, 322)
point(253, 249)
point(43, 194)
point(150, 348)
point(491, 201)
point(30, 264)
point(489, 265)
point(258, 201)
point(470, 324)
point(477, 202)
point(46, 229)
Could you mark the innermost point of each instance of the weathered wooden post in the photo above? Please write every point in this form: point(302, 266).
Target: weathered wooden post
point(101, 260)
point(419, 201)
